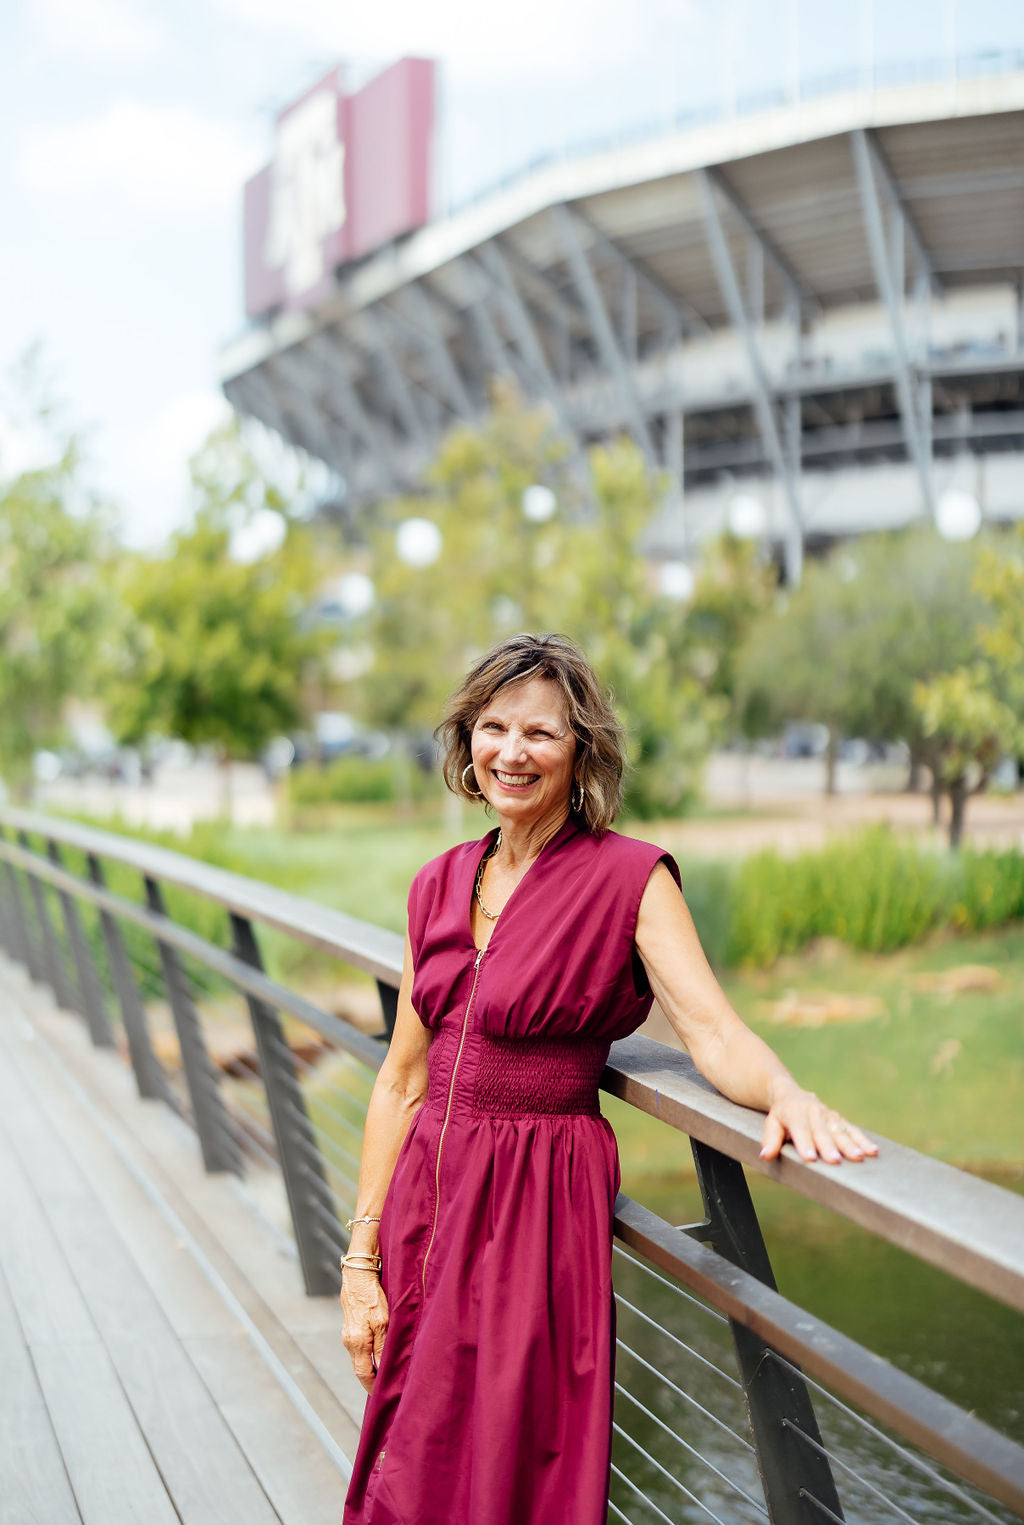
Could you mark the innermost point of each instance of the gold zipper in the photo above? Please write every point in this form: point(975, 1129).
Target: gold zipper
point(380, 1460)
point(447, 1115)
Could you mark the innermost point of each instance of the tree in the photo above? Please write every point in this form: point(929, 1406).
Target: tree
point(882, 614)
point(999, 582)
point(578, 572)
point(966, 731)
point(214, 649)
point(54, 548)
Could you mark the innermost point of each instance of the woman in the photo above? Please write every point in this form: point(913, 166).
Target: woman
point(488, 1175)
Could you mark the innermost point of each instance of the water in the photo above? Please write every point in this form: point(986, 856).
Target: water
point(962, 1344)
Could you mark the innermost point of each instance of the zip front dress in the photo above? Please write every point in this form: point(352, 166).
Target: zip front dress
point(493, 1399)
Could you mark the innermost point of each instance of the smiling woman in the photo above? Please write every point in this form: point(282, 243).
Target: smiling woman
point(489, 1176)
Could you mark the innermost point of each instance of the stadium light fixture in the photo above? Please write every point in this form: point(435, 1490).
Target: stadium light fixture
point(676, 581)
point(539, 503)
point(957, 514)
point(747, 518)
point(355, 593)
point(418, 542)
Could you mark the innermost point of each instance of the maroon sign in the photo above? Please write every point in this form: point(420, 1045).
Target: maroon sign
point(349, 173)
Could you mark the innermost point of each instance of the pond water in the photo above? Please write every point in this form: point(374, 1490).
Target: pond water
point(959, 1342)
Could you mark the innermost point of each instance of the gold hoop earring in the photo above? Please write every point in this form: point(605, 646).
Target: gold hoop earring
point(479, 793)
point(577, 805)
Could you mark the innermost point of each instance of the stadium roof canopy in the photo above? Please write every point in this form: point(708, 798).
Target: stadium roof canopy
point(818, 287)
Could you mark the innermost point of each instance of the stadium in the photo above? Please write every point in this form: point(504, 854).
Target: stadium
point(808, 313)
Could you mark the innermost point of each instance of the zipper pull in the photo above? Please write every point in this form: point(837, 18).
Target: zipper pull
point(479, 955)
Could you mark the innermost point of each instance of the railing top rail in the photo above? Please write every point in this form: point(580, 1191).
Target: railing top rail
point(370, 948)
point(967, 1226)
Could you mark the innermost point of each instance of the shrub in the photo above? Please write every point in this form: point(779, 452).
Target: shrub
point(989, 890)
point(873, 890)
point(358, 780)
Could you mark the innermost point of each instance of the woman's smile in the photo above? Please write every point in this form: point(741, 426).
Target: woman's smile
point(515, 780)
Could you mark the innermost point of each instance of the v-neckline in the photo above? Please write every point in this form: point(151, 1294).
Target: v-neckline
point(485, 846)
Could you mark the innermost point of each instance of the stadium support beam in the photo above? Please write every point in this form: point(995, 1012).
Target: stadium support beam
point(310, 428)
point(904, 227)
point(526, 337)
point(327, 351)
point(421, 316)
point(393, 377)
point(677, 317)
point(907, 389)
point(603, 331)
point(798, 290)
point(302, 427)
point(498, 359)
point(782, 459)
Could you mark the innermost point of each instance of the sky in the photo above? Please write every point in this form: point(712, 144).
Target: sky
point(128, 127)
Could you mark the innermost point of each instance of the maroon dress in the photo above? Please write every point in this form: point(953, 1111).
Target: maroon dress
point(493, 1401)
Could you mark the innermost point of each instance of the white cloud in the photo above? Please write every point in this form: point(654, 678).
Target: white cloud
point(107, 31)
point(161, 157)
point(150, 478)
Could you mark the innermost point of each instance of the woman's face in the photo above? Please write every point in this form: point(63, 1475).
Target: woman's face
point(523, 752)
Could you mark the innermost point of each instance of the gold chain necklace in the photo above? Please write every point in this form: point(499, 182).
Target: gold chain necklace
point(491, 915)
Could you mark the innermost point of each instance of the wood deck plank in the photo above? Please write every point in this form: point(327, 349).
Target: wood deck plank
point(111, 1470)
point(34, 1486)
point(204, 1398)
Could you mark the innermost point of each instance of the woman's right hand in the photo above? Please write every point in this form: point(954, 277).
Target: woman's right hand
point(364, 1321)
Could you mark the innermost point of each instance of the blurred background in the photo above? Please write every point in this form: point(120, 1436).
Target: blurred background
point(337, 343)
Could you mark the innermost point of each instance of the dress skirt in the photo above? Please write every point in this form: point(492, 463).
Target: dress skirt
point(492, 1404)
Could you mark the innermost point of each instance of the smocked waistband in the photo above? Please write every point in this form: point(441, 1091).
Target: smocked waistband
point(515, 1077)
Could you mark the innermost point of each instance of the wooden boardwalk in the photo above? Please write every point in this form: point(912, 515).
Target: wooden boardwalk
point(158, 1360)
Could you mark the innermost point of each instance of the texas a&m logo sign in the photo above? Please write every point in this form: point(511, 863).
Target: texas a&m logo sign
point(350, 172)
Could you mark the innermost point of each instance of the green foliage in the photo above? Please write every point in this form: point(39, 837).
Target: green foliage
point(578, 573)
point(989, 890)
point(360, 781)
point(881, 614)
point(871, 890)
point(999, 581)
point(212, 649)
point(54, 555)
point(966, 728)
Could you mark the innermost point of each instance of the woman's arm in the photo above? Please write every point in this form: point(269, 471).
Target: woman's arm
point(721, 1045)
point(398, 1093)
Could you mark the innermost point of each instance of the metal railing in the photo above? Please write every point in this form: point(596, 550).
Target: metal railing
point(733, 1404)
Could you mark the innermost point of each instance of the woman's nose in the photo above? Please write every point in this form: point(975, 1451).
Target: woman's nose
point(514, 744)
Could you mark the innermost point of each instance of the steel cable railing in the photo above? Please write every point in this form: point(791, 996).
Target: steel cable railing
point(293, 1119)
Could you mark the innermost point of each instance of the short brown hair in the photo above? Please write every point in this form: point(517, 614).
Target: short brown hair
point(600, 741)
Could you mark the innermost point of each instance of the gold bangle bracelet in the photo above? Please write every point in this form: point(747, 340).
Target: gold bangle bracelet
point(372, 1262)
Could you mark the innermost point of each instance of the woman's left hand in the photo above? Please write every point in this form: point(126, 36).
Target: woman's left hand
point(817, 1131)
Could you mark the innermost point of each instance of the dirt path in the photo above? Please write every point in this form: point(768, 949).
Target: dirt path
point(781, 805)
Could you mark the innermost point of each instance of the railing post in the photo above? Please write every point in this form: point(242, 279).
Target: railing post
point(389, 1006)
point(310, 1198)
point(149, 1076)
point(33, 956)
point(217, 1142)
point(17, 932)
point(52, 969)
point(795, 1477)
point(90, 1002)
